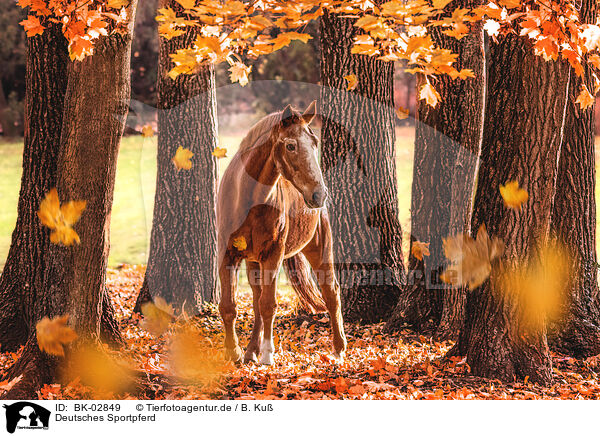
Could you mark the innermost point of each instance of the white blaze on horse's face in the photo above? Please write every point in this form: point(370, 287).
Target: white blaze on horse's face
point(296, 156)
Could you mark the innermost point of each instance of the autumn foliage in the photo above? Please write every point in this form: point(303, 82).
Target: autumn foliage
point(237, 32)
point(378, 365)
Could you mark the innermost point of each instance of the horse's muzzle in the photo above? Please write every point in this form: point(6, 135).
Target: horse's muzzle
point(318, 199)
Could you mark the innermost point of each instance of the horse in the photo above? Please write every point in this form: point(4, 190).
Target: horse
point(271, 212)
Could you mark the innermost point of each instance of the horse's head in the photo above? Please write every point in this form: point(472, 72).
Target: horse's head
point(295, 153)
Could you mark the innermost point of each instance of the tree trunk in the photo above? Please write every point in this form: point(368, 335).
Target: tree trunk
point(358, 161)
point(22, 278)
point(522, 137)
point(447, 144)
point(574, 220)
point(95, 108)
point(182, 265)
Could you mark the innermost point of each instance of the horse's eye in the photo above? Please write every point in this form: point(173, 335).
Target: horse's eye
point(290, 145)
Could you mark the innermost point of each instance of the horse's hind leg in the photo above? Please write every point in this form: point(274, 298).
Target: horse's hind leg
point(320, 256)
point(227, 307)
point(331, 294)
point(253, 272)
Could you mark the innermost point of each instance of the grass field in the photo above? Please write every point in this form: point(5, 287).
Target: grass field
point(134, 192)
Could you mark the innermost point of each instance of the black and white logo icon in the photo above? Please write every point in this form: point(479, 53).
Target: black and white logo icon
point(26, 415)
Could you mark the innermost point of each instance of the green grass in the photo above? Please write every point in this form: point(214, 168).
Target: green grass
point(134, 192)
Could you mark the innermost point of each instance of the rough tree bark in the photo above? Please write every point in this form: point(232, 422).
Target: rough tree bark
point(358, 161)
point(447, 145)
point(574, 220)
point(73, 281)
point(522, 136)
point(182, 265)
point(22, 277)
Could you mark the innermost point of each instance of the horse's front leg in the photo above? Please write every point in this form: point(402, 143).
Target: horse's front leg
point(228, 274)
point(268, 306)
point(253, 272)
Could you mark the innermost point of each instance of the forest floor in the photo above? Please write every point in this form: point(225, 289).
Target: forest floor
point(377, 365)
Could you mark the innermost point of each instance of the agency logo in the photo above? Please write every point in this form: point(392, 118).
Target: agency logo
point(26, 415)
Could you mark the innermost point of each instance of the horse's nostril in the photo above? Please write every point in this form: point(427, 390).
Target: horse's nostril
point(318, 196)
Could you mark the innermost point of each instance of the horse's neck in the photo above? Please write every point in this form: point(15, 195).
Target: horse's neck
point(262, 172)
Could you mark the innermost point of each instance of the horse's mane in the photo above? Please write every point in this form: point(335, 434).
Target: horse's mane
point(260, 131)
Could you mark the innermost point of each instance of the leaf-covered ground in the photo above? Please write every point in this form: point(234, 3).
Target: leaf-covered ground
point(184, 365)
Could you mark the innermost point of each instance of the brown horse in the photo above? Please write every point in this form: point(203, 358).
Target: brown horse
point(271, 211)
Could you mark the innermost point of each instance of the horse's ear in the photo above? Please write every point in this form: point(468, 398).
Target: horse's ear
point(288, 116)
point(310, 112)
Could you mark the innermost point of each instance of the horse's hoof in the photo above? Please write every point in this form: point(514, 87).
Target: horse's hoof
point(339, 357)
point(233, 354)
point(266, 359)
point(250, 357)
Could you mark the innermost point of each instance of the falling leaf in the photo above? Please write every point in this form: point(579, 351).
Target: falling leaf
point(239, 73)
point(182, 159)
point(402, 113)
point(60, 219)
point(219, 152)
point(157, 316)
point(352, 81)
point(429, 94)
point(240, 243)
point(193, 358)
point(471, 260)
point(539, 286)
point(513, 196)
point(94, 367)
point(420, 249)
point(147, 131)
point(53, 334)
point(585, 99)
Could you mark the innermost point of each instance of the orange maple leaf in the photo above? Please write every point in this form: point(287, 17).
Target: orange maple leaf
point(420, 249)
point(429, 94)
point(32, 26)
point(585, 99)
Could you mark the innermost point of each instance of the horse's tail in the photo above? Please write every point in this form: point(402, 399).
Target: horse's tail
point(298, 271)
